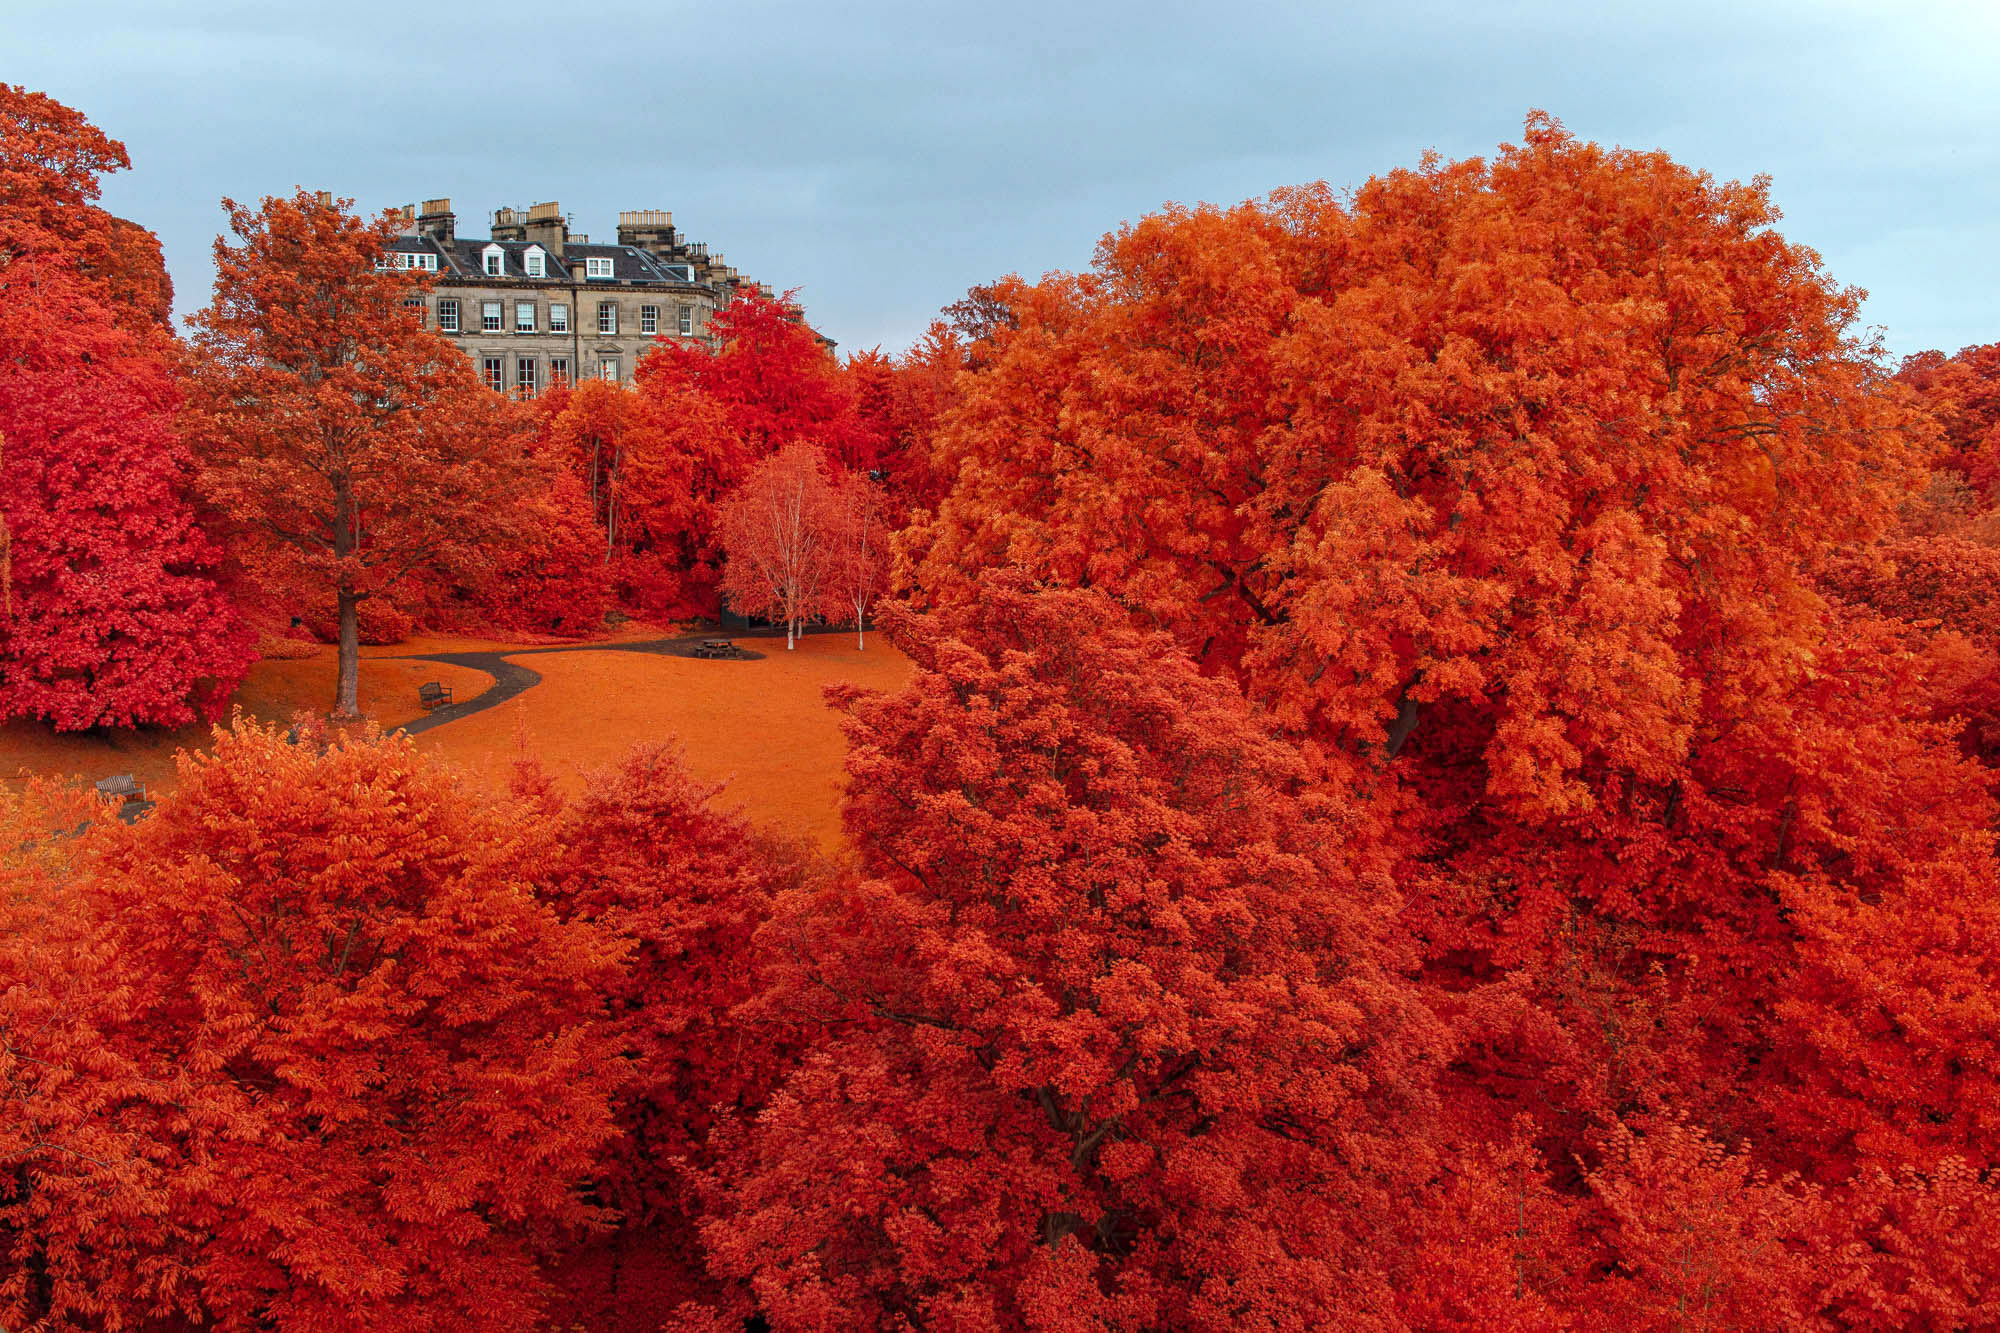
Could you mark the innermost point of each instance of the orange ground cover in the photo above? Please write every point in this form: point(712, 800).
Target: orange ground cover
point(275, 691)
point(762, 726)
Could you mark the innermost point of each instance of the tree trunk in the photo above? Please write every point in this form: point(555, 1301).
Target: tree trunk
point(860, 629)
point(791, 633)
point(611, 510)
point(347, 694)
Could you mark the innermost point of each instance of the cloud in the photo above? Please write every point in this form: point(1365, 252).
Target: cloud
point(884, 157)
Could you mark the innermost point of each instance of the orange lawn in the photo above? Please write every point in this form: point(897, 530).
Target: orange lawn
point(761, 726)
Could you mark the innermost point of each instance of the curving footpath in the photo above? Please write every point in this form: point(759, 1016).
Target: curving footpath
point(511, 679)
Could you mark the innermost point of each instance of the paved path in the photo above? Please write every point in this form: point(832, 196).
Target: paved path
point(511, 679)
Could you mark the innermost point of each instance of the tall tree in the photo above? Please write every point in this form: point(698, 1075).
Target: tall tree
point(109, 610)
point(389, 1050)
point(779, 529)
point(859, 566)
point(111, 615)
point(51, 157)
point(1114, 1035)
point(608, 431)
point(348, 444)
point(1506, 485)
point(654, 459)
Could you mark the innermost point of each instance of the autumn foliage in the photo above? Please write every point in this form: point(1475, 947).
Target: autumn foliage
point(648, 858)
point(338, 1088)
point(1509, 489)
point(346, 445)
point(110, 612)
point(1447, 784)
point(1115, 1026)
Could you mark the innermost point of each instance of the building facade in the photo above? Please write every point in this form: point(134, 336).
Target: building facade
point(533, 304)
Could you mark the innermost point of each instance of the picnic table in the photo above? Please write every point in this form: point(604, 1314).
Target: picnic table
point(715, 648)
point(433, 694)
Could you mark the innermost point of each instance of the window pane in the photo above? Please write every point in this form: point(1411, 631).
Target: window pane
point(524, 317)
point(559, 318)
point(490, 366)
point(489, 316)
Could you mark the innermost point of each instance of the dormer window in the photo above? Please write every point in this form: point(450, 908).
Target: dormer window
point(595, 267)
point(534, 263)
point(495, 261)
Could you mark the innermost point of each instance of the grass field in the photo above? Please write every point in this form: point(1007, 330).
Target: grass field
point(761, 726)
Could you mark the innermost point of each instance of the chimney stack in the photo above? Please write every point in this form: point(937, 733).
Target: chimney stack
point(437, 222)
point(508, 225)
point(650, 229)
point(547, 227)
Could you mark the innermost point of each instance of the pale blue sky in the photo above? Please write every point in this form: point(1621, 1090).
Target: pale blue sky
point(883, 157)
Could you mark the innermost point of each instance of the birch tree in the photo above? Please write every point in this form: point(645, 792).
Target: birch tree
point(778, 534)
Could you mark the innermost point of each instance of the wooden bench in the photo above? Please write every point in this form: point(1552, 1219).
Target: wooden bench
point(122, 788)
point(433, 694)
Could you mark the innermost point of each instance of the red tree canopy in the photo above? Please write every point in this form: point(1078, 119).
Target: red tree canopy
point(109, 614)
point(346, 1069)
point(1445, 446)
point(109, 610)
point(346, 444)
point(50, 159)
point(1964, 393)
point(1113, 1040)
point(650, 859)
point(780, 529)
point(1506, 487)
point(773, 377)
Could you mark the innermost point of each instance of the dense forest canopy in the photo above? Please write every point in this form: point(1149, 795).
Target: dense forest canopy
point(1446, 782)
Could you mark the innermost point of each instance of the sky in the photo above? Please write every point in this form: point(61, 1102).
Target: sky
point(881, 158)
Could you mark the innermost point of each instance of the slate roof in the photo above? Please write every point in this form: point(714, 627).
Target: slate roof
point(466, 258)
point(630, 263)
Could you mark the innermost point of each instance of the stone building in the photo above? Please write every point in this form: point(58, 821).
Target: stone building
point(535, 303)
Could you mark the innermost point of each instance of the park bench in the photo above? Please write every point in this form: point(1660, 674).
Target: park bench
point(431, 694)
point(715, 648)
point(122, 788)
